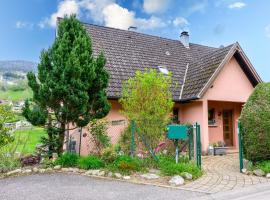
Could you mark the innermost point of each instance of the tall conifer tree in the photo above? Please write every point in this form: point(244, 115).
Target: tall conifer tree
point(70, 85)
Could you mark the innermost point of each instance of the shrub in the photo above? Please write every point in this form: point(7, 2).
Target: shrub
point(98, 131)
point(8, 159)
point(255, 121)
point(147, 100)
point(90, 162)
point(67, 160)
point(126, 164)
point(109, 155)
point(264, 165)
point(168, 167)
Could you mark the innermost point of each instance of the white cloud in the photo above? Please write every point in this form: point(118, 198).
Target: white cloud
point(180, 21)
point(267, 30)
point(105, 12)
point(118, 17)
point(66, 7)
point(151, 23)
point(95, 8)
point(22, 24)
point(237, 5)
point(199, 6)
point(155, 6)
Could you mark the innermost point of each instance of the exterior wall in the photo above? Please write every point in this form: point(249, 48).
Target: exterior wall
point(231, 85)
point(216, 131)
point(117, 123)
point(230, 90)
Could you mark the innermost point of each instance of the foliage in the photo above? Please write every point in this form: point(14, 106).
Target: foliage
point(125, 140)
point(8, 158)
point(5, 116)
point(47, 163)
point(147, 100)
point(255, 122)
point(98, 131)
point(264, 165)
point(109, 154)
point(70, 85)
point(67, 160)
point(125, 164)
point(168, 167)
point(90, 162)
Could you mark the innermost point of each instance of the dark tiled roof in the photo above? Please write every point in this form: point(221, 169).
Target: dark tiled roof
point(129, 51)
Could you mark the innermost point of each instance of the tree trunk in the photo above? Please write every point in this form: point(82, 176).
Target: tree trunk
point(61, 138)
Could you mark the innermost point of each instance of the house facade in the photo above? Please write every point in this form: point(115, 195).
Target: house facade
point(209, 85)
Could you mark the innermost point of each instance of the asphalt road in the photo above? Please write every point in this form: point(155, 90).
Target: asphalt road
point(76, 187)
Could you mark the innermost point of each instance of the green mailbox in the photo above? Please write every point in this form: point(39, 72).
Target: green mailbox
point(176, 131)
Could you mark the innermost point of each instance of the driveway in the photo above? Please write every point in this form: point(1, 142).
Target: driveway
point(77, 187)
point(222, 174)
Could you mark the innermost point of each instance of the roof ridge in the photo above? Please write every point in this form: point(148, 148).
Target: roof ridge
point(199, 59)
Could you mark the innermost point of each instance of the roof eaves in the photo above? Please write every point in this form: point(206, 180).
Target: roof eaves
point(249, 64)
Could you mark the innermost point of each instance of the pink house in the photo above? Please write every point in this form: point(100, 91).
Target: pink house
point(210, 85)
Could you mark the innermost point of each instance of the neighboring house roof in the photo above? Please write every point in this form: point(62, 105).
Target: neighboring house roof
point(193, 69)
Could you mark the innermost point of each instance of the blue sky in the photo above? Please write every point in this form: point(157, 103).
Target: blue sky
point(28, 26)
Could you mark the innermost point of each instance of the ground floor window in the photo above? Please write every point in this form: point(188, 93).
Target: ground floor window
point(211, 116)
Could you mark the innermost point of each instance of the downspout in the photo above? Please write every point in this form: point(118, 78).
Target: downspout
point(182, 88)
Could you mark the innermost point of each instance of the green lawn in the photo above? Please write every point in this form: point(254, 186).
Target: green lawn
point(16, 95)
point(28, 139)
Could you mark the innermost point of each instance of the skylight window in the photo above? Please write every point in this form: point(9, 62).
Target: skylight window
point(163, 70)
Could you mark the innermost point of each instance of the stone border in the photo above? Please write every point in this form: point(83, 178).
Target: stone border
point(100, 174)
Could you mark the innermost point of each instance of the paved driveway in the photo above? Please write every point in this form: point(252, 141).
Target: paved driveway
point(77, 187)
point(222, 174)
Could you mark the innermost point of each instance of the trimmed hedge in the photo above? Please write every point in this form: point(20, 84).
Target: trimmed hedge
point(255, 121)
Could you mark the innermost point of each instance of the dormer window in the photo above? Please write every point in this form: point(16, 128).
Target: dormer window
point(163, 70)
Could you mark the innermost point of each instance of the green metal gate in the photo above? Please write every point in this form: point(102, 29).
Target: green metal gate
point(193, 136)
point(240, 142)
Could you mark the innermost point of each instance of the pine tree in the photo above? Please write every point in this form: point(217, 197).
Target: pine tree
point(70, 85)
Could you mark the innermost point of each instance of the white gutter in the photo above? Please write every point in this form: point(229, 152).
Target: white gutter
point(185, 76)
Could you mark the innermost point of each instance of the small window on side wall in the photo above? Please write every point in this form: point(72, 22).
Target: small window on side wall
point(175, 116)
point(211, 116)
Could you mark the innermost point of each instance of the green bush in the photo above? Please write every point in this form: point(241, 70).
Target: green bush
point(8, 163)
point(125, 165)
point(67, 160)
point(109, 155)
point(98, 131)
point(8, 158)
point(168, 167)
point(255, 121)
point(90, 162)
point(264, 165)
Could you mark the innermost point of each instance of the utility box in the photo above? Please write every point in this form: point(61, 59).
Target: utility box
point(176, 131)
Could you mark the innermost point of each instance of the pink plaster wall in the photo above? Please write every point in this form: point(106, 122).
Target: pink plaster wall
point(229, 91)
point(231, 84)
point(114, 131)
point(216, 132)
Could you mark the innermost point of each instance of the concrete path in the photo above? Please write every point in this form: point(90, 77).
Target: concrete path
point(222, 174)
point(77, 187)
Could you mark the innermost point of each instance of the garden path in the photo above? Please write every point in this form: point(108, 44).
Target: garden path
point(221, 173)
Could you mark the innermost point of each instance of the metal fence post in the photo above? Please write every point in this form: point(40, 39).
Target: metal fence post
point(198, 145)
point(240, 142)
point(132, 138)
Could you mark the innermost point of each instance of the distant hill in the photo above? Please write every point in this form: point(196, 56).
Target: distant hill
point(17, 65)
